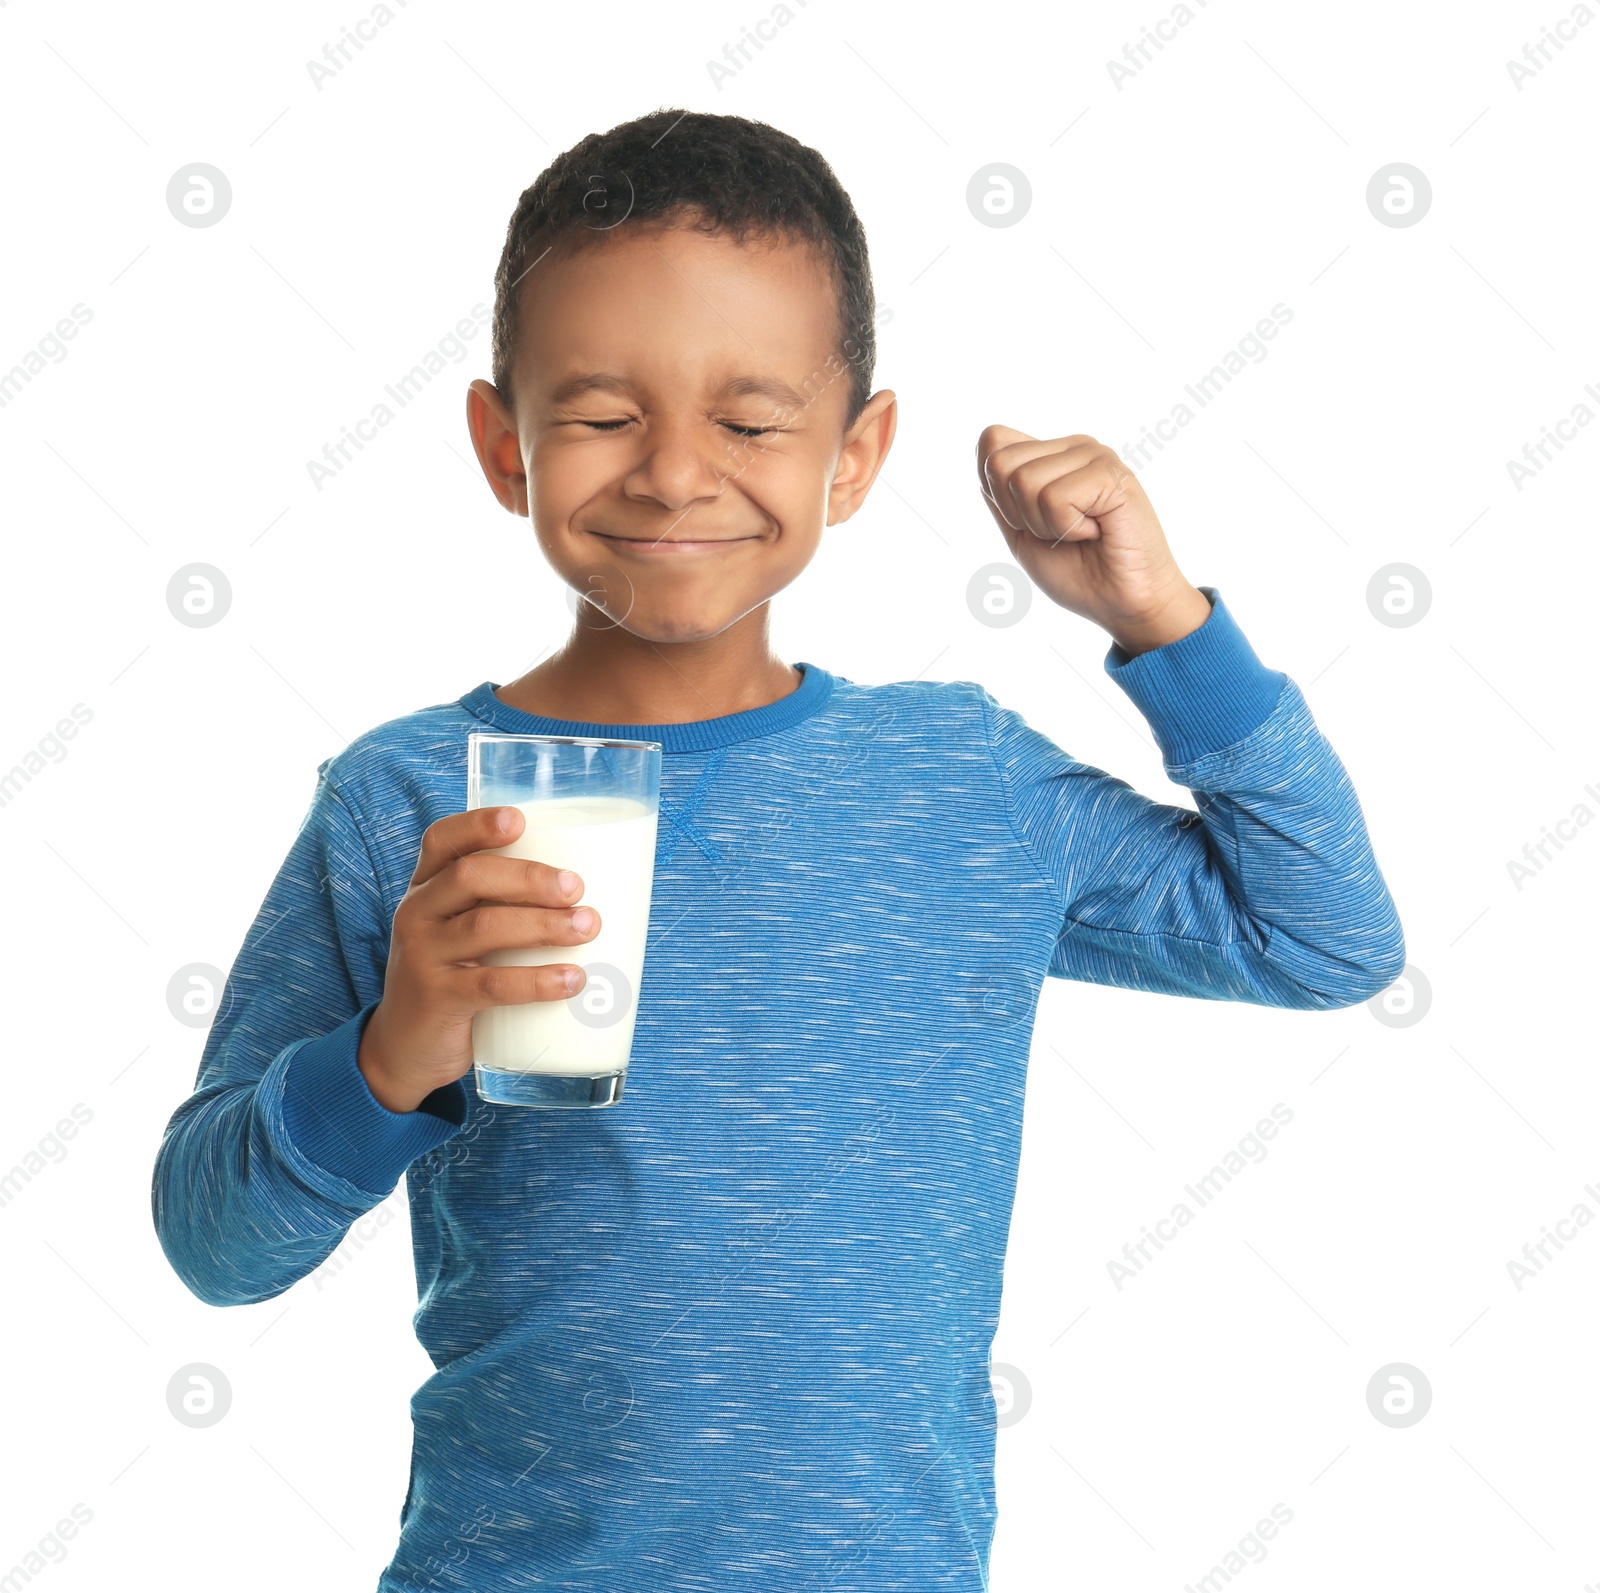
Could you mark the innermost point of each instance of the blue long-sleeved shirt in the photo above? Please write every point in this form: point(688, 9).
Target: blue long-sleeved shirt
point(733, 1333)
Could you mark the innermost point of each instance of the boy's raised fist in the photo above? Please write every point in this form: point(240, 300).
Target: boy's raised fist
point(1077, 520)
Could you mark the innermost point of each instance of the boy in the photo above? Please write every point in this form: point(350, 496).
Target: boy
point(734, 1332)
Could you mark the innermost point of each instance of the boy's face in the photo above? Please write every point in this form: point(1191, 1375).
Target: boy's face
point(679, 437)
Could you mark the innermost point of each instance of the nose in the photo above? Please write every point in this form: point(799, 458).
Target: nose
point(681, 461)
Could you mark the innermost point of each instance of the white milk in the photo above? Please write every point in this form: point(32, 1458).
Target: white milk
point(610, 843)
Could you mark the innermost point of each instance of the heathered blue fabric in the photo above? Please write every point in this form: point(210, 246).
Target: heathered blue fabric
point(734, 1332)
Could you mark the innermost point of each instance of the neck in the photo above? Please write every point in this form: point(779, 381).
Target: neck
point(604, 674)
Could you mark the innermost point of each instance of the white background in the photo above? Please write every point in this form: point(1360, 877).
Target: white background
point(1168, 216)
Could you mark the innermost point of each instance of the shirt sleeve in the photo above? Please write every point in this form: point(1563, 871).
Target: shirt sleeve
point(282, 1145)
point(1268, 893)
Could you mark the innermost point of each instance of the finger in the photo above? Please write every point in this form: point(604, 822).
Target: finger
point(472, 989)
point(1088, 500)
point(1001, 448)
point(991, 441)
point(458, 834)
point(485, 877)
point(485, 928)
point(993, 438)
point(1052, 494)
point(1002, 451)
point(1011, 533)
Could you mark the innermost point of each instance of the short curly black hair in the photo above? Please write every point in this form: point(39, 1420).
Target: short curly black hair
point(740, 176)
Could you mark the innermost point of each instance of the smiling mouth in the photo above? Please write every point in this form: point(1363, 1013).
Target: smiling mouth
point(669, 545)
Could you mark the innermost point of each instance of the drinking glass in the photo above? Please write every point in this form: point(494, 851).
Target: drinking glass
point(590, 805)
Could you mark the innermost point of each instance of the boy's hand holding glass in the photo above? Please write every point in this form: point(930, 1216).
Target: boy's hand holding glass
point(464, 902)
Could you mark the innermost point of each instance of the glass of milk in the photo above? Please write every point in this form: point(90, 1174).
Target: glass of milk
point(591, 806)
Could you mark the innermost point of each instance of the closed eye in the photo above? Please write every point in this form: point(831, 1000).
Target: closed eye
point(742, 431)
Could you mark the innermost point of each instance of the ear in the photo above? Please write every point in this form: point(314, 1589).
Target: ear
point(499, 450)
point(866, 446)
